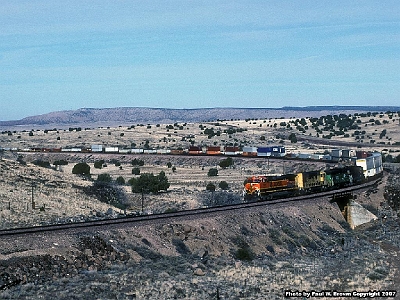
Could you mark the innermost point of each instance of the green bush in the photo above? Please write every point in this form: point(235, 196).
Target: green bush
point(223, 185)
point(81, 169)
point(98, 164)
point(137, 162)
point(135, 171)
point(148, 183)
point(244, 251)
point(226, 163)
point(120, 180)
point(292, 138)
point(210, 187)
point(212, 172)
point(244, 254)
point(105, 177)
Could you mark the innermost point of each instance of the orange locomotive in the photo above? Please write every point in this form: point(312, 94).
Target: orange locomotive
point(265, 186)
point(268, 187)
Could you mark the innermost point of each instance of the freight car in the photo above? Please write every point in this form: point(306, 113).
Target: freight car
point(269, 187)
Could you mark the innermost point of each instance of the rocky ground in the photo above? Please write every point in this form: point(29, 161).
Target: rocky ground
point(59, 196)
point(257, 254)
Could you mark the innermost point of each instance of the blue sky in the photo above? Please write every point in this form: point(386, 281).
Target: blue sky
point(61, 55)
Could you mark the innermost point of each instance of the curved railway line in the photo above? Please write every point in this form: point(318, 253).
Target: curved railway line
point(170, 217)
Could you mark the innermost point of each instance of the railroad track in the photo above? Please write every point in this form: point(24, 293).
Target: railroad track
point(170, 217)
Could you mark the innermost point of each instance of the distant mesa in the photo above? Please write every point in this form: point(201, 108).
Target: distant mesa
point(146, 115)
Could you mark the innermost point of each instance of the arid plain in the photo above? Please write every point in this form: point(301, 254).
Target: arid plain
point(301, 246)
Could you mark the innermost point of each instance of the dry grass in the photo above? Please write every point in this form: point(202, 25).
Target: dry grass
point(295, 246)
point(259, 132)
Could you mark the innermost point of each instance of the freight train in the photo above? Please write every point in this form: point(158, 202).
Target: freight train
point(267, 187)
point(371, 162)
point(276, 151)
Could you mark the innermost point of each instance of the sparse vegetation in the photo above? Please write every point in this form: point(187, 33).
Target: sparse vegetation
point(137, 162)
point(223, 185)
point(293, 245)
point(212, 172)
point(99, 164)
point(105, 177)
point(149, 183)
point(120, 180)
point(136, 171)
point(81, 169)
point(210, 187)
point(243, 251)
point(226, 163)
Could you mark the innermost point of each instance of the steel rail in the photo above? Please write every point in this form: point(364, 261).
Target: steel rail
point(203, 212)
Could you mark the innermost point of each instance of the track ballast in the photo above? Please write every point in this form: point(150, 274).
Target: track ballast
point(169, 217)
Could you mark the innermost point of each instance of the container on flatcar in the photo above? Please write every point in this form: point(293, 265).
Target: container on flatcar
point(264, 151)
point(136, 151)
point(361, 154)
point(213, 150)
point(336, 154)
point(125, 151)
point(177, 151)
point(249, 151)
point(231, 151)
point(194, 150)
point(150, 151)
point(111, 149)
point(97, 148)
point(372, 164)
point(163, 151)
point(348, 153)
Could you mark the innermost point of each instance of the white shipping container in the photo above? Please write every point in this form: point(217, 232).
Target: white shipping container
point(97, 148)
point(111, 149)
point(136, 151)
point(233, 153)
point(150, 151)
point(163, 151)
point(125, 151)
point(250, 149)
